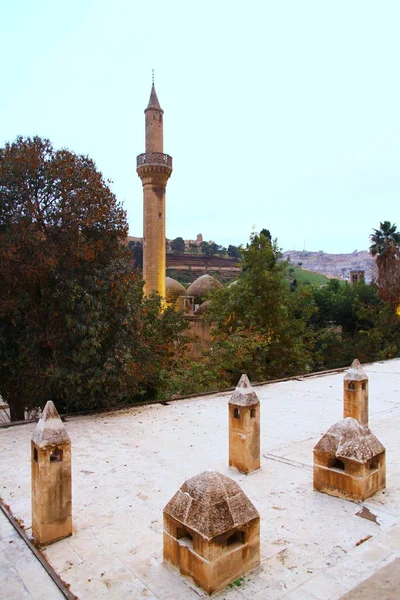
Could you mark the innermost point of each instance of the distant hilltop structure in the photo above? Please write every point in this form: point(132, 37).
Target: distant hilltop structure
point(339, 266)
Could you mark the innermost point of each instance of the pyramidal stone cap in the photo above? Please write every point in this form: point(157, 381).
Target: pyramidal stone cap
point(244, 394)
point(349, 439)
point(211, 504)
point(356, 372)
point(50, 430)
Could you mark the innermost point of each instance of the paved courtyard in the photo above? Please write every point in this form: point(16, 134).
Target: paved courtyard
point(127, 465)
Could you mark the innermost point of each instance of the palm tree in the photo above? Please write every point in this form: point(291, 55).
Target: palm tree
point(386, 248)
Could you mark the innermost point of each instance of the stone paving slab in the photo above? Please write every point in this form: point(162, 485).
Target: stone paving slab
point(127, 465)
point(22, 577)
point(384, 584)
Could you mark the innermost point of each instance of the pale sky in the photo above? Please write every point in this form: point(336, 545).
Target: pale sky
point(283, 114)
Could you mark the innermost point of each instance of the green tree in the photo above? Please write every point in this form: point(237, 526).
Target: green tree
point(233, 252)
point(352, 321)
point(74, 326)
point(259, 328)
point(206, 249)
point(178, 245)
point(386, 248)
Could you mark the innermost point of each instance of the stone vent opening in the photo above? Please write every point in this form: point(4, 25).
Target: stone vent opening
point(374, 464)
point(236, 413)
point(184, 537)
point(235, 540)
point(364, 385)
point(56, 455)
point(35, 455)
point(253, 413)
point(337, 464)
point(351, 385)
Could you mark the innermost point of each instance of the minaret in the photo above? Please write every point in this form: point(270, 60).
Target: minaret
point(154, 169)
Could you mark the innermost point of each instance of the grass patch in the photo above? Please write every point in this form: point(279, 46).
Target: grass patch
point(304, 276)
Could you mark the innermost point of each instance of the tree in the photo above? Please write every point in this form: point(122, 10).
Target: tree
point(178, 245)
point(74, 326)
point(206, 249)
point(233, 251)
point(386, 248)
point(352, 320)
point(137, 256)
point(256, 327)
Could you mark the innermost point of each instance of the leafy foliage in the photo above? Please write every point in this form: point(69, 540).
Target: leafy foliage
point(74, 326)
point(257, 329)
point(386, 247)
point(178, 245)
point(349, 321)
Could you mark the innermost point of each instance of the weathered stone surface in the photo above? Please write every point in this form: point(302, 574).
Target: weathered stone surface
point(244, 394)
point(384, 584)
point(202, 286)
point(50, 429)
point(51, 478)
point(211, 504)
point(211, 531)
point(349, 462)
point(244, 428)
point(355, 393)
point(349, 439)
point(173, 289)
point(356, 372)
point(154, 169)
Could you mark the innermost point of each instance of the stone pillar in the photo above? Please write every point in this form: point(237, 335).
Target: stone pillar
point(355, 393)
point(244, 428)
point(51, 478)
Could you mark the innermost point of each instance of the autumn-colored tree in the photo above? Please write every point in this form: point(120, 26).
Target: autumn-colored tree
point(74, 326)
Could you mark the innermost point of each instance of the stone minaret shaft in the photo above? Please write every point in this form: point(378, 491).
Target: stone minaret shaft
point(154, 169)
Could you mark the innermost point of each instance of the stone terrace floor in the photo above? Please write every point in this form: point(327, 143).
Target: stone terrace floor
point(127, 465)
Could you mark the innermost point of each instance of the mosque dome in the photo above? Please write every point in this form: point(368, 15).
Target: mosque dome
point(202, 308)
point(201, 287)
point(173, 289)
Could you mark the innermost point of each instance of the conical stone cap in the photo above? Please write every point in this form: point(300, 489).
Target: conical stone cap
point(244, 394)
point(356, 372)
point(50, 430)
point(211, 504)
point(153, 101)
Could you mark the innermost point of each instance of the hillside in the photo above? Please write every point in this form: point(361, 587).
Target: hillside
point(333, 265)
point(305, 276)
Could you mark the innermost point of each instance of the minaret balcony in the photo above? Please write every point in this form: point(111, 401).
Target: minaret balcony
point(154, 159)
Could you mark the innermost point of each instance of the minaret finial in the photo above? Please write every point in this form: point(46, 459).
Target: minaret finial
point(152, 76)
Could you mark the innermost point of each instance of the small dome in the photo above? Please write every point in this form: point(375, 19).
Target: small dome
point(211, 504)
point(202, 308)
point(349, 439)
point(173, 289)
point(201, 287)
